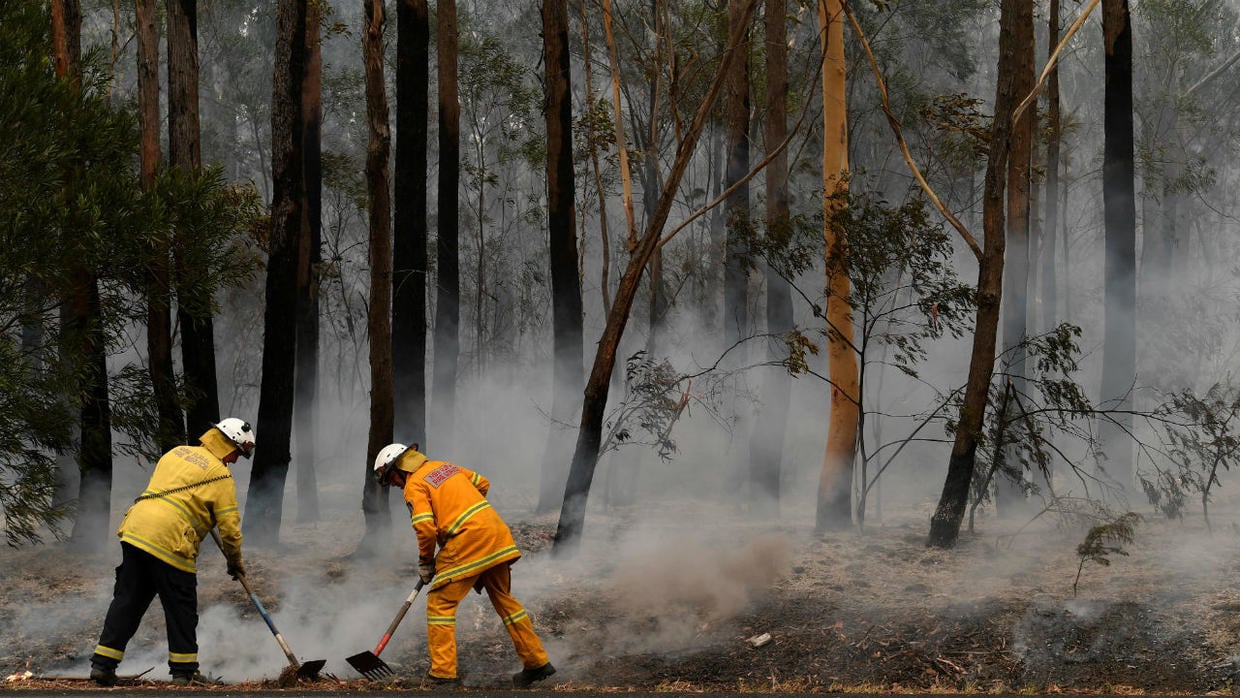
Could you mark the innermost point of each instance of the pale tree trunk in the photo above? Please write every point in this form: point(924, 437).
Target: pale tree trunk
point(604, 236)
point(306, 375)
point(766, 445)
point(589, 436)
point(1016, 271)
point(626, 177)
point(716, 235)
point(568, 371)
point(448, 287)
point(410, 239)
point(835, 481)
point(171, 429)
point(197, 327)
point(379, 316)
point(736, 278)
point(739, 228)
point(949, 514)
point(1119, 212)
point(264, 507)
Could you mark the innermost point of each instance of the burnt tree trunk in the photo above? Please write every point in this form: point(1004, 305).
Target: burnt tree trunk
point(410, 243)
point(949, 514)
point(1119, 351)
point(194, 305)
point(82, 329)
point(767, 443)
point(309, 255)
point(566, 306)
point(265, 502)
point(1050, 297)
point(447, 251)
point(1015, 314)
point(589, 436)
point(379, 317)
point(170, 431)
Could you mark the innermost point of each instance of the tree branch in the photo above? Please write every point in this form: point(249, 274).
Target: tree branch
point(908, 156)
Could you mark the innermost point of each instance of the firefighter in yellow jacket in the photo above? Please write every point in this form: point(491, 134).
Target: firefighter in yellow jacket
point(190, 492)
point(449, 509)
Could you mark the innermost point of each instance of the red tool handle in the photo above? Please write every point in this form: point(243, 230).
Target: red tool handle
point(400, 615)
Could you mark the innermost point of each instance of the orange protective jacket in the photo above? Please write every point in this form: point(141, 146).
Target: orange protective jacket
point(190, 492)
point(448, 508)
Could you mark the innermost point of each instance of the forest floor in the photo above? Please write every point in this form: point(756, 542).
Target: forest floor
point(674, 609)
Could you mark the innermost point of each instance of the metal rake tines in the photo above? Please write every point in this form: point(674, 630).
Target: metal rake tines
point(380, 672)
point(369, 665)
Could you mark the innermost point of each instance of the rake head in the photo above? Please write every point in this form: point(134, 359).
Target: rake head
point(311, 669)
point(369, 665)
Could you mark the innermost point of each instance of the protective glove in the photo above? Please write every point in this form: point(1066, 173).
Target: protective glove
point(236, 569)
point(426, 571)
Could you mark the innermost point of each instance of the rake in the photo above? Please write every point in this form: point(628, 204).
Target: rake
point(295, 670)
point(368, 663)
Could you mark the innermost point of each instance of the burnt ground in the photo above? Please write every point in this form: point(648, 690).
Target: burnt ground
point(856, 612)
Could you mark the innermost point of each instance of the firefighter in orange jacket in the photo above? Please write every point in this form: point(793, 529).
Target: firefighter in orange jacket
point(448, 508)
point(190, 492)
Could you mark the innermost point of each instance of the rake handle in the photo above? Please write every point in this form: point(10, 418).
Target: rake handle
point(288, 652)
point(400, 615)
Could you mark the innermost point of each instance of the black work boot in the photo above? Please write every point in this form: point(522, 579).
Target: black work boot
point(103, 675)
point(441, 682)
point(184, 678)
point(526, 677)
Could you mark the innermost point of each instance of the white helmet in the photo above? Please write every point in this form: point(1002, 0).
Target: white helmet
point(239, 432)
point(387, 456)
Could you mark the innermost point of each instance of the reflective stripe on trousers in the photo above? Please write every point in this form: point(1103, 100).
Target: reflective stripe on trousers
point(441, 605)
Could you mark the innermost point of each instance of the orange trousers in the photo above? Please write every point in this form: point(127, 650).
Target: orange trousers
point(441, 604)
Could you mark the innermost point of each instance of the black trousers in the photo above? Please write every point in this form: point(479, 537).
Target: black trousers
point(139, 579)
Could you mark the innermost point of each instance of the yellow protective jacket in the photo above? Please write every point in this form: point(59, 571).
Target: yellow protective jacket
point(448, 508)
point(190, 492)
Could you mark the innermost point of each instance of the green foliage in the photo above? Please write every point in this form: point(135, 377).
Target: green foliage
point(652, 404)
point(964, 131)
point(1026, 415)
point(34, 425)
point(904, 288)
point(219, 230)
point(1201, 438)
point(594, 131)
point(71, 205)
point(497, 100)
point(1106, 539)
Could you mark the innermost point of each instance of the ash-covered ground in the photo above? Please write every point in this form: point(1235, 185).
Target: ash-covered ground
point(653, 602)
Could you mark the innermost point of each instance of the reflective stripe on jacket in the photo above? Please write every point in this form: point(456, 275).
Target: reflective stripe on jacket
point(448, 507)
point(169, 523)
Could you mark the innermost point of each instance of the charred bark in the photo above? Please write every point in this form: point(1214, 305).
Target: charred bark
point(194, 305)
point(566, 307)
point(447, 251)
point(949, 514)
point(767, 443)
point(309, 256)
point(265, 502)
point(585, 456)
point(170, 431)
point(379, 318)
point(409, 273)
point(1119, 351)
